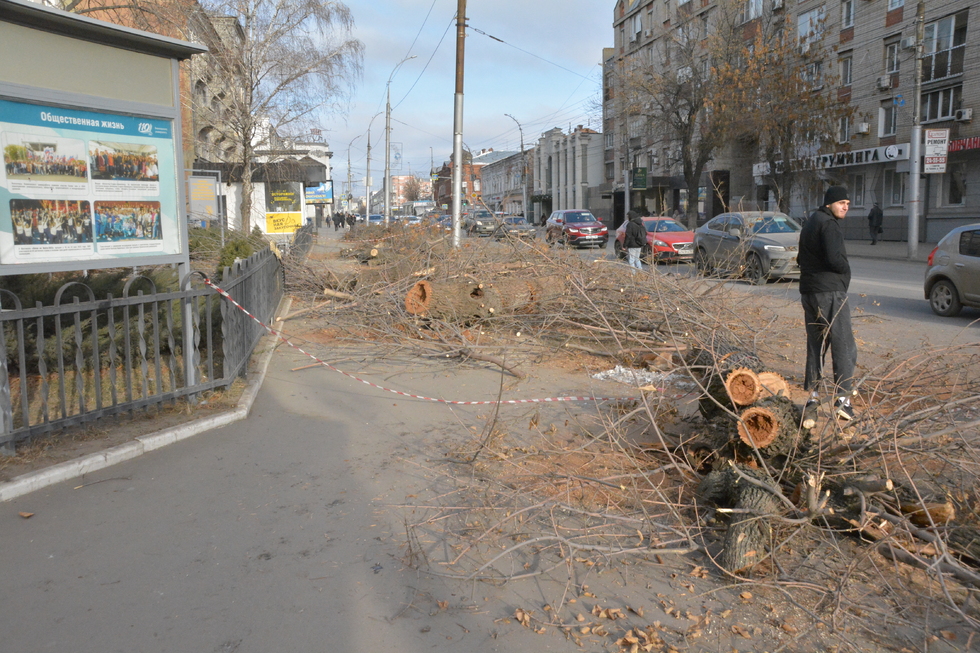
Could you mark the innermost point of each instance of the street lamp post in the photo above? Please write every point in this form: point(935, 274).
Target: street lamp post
point(350, 188)
point(523, 166)
point(387, 187)
point(367, 179)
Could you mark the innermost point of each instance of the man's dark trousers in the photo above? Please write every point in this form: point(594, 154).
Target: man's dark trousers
point(828, 322)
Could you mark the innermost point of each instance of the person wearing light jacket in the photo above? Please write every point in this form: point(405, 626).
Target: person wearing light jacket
point(825, 275)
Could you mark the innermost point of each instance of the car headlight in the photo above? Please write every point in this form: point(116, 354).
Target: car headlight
point(774, 248)
point(479, 224)
point(660, 243)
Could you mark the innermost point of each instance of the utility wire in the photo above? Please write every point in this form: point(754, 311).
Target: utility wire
point(490, 36)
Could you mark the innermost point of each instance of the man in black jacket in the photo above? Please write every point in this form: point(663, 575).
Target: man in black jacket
point(634, 239)
point(875, 218)
point(825, 275)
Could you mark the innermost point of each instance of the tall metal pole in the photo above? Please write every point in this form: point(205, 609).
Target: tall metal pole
point(367, 181)
point(350, 187)
point(523, 165)
point(915, 146)
point(387, 182)
point(458, 122)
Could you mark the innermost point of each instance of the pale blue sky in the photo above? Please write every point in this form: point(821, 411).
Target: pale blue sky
point(546, 74)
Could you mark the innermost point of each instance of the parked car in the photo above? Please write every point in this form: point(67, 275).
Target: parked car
point(953, 272)
point(758, 245)
point(576, 227)
point(514, 226)
point(410, 220)
point(375, 219)
point(667, 240)
point(479, 222)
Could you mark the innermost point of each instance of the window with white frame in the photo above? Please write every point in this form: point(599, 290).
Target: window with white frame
point(846, 14)
point(844, 129)
point(943, 47)
point(954, 182)
point(857, 190)
point(751, 10)
point(895, 4)
point(894, 188)
point(887, 119)
point(809, 26)
point(635, 126)
point(941, 104)
point(634, 26)
point(893, 60)
point(844, 69)
point(813, 74)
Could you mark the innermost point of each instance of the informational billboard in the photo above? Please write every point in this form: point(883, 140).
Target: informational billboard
point(202, 199)
point(283, 206)
point(936, 151)
point(85, 186)
point(320, 194)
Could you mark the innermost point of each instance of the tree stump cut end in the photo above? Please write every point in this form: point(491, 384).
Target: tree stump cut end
point(419, 298)
point(744, 386)
point(759, 426)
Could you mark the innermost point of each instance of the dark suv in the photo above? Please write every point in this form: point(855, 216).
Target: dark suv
point(576, 227)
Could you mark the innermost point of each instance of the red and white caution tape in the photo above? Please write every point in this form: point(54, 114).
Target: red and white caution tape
point(279, 334)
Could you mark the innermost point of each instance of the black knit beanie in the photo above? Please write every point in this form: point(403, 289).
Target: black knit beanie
point(835, 194)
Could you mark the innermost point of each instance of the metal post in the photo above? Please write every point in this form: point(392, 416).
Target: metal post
point(523, 164)
point(367, 180)
point(915, 146)
point(458, 122)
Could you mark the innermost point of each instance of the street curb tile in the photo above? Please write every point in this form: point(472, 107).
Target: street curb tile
point(32, 481)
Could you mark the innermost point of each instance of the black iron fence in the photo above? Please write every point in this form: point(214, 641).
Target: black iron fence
point(84, 358)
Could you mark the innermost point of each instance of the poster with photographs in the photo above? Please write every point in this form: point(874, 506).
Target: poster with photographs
point(84, 186)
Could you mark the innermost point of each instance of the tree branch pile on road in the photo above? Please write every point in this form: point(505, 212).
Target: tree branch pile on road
point(709, 466)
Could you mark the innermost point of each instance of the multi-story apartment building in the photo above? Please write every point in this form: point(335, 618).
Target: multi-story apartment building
point(399, 189)
point(870, 51)
point(567, 172)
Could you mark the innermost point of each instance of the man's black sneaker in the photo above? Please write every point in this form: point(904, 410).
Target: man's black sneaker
point(843, 411)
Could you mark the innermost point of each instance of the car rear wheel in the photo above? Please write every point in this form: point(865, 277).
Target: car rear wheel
point(944, 299)
point(755, 271)
point(618, 249)
point(701, 261)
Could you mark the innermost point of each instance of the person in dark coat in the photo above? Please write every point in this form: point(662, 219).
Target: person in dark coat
point(350, 221)
point(874, 222)
point(337, 217)
point(825, 275)
point(634, 238)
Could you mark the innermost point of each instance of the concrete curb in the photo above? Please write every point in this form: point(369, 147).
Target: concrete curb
point(68, 470)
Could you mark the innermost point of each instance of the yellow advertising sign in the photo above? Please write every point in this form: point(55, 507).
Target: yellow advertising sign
point(283, 223)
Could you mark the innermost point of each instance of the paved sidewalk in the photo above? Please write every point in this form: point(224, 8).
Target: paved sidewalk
point(893, 250)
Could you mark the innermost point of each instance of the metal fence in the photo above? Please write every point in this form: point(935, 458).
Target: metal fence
point(83, 358)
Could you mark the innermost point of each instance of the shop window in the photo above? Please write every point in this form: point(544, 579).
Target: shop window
point(857, 190)
point(955, 183)
point(894, 188)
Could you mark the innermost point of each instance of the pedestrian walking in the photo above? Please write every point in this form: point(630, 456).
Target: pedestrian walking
point(825, 275)
point(336, 222)
point(351, 219)
point(634, 238)
point(875, 218)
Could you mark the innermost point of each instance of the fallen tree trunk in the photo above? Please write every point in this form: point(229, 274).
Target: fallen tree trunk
point(773, 426)
point(458, 301)
point(749, 530)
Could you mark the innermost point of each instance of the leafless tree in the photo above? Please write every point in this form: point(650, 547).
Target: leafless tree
point(294, 59)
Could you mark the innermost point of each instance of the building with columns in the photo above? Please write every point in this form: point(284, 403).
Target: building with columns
point(567, 171)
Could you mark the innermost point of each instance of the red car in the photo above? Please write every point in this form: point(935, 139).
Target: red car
point(576, 227)
point(667, 239)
